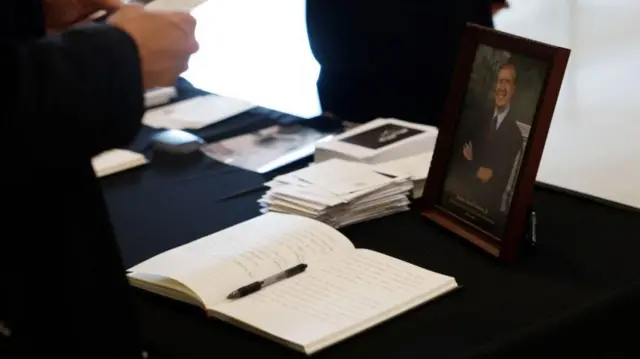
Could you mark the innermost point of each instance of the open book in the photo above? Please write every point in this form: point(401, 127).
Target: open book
point(343, 292)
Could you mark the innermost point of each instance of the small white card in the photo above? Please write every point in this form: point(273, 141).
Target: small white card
point(416, 167)
point(342, 177)
point(309, 194)
point(116, 160)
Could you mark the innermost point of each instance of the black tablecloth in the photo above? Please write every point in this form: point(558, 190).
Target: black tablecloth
point(578, 292)
point(575, 292)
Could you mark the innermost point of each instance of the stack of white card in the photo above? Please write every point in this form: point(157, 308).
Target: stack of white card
point(416, 167)
point(338, 193)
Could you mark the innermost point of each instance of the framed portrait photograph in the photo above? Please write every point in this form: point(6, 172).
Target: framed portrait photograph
point(492, 134)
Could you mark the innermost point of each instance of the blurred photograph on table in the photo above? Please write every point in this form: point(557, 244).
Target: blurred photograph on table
point(267, 149)
point(491, 137)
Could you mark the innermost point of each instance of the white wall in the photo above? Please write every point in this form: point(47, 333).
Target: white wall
point(594, 142)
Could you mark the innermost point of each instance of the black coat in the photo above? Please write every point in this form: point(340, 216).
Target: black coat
point(384, 58)
point(496, 150)
point(66, 99)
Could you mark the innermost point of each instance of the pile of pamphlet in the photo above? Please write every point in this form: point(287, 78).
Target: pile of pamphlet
point(338, 192)
point(416, 167)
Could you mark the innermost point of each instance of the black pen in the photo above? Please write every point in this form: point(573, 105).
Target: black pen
point(256, 286)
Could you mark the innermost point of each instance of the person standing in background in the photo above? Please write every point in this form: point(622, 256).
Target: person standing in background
point(497, 5)
point(389, 59)
point(71, 93)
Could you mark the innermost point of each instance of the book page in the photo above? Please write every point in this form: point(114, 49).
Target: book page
point(220, 263)
point(337, 298)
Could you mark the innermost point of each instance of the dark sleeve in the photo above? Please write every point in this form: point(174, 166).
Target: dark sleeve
point(481, 12)
point(459, 165)
point(384, 58)
point(366, 35)
point(74, 94)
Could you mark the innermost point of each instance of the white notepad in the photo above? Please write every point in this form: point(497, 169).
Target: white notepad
point(116, 160)
point(195, 113)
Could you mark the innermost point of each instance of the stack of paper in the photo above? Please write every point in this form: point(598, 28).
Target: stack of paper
point(377, 141)
point(338, 193)
point(415, 167)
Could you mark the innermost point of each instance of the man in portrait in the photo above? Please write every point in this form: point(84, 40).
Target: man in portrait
point(490, 152)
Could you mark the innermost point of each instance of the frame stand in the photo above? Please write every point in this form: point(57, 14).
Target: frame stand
point(531, 232)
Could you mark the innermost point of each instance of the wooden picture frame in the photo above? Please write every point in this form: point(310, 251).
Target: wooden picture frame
point(454, 187)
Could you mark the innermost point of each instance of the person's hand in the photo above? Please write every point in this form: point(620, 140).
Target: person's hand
point(467, 151)
point(484, 174)
point(165, 41)
point(62, 14)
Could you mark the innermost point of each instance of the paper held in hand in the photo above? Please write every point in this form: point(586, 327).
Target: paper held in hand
point(171, 5)
point(343, 292)
point(338, 193)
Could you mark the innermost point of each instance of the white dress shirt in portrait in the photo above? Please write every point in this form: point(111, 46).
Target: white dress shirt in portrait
point(500, 116)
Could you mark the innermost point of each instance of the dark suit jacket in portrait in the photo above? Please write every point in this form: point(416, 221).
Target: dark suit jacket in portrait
point(67, 97)
point(497, 150)
point(384, 58)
